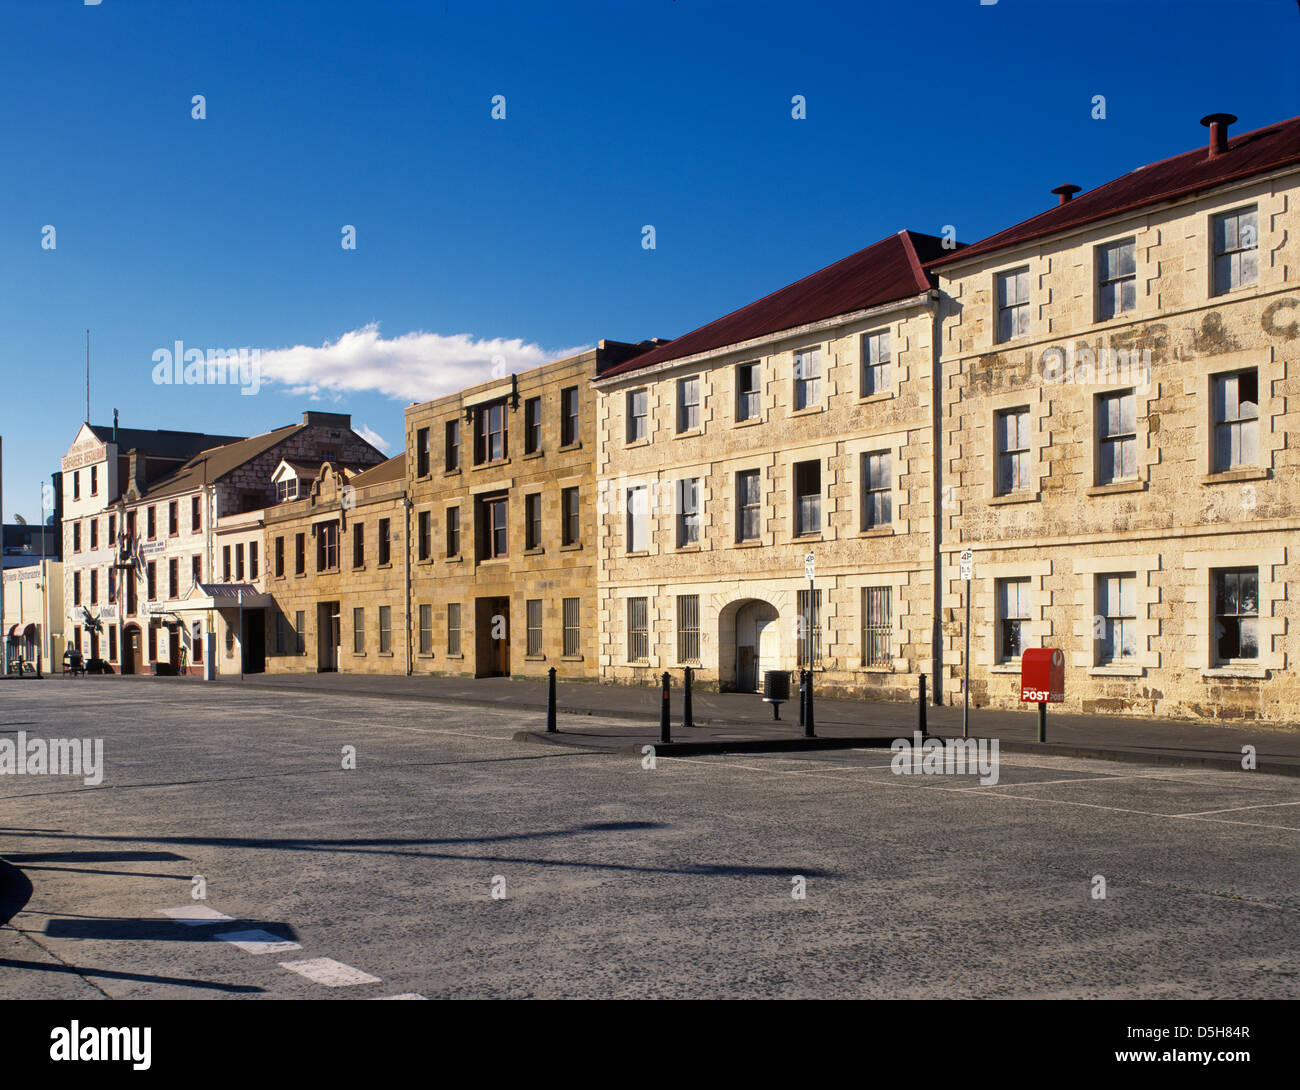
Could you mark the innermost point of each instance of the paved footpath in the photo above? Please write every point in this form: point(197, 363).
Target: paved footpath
point(736, 722)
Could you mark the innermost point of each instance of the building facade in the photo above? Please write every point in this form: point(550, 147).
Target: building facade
point(503, 557)
point(799, 426)
point(337, 574)
point(1120, 409)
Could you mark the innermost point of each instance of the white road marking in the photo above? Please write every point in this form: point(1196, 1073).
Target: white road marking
point(404, 995)
point(1234, 809)
point(193, 915)
point(331, 973)
point(258, 941)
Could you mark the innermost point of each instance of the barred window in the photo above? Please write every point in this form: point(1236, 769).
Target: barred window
point(877, 489)
point(876, 363)
point(534, 611)
point(572, 634)
point(688, 629)
point(453, 628)
point(809, 624)
point(426, 629)
point(877, 626)
point(638, 631)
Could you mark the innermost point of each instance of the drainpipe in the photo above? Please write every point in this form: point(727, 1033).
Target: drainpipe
point(406, 550)
point(937, 494)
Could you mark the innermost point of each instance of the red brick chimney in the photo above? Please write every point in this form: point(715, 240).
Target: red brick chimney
point(1218, 126)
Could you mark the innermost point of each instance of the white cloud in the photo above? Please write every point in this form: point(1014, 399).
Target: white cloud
point(374, 438)
point(413, 367)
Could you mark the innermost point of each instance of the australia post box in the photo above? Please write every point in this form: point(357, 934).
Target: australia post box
point(1042, 675)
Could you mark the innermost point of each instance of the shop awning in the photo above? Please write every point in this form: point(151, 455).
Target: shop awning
point(206, 596)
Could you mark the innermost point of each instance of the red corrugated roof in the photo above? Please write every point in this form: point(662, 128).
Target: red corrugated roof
point(890, 270)
point(1250, 153)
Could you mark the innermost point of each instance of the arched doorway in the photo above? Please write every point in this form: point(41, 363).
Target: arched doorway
point(131, 649)
point(749, 644)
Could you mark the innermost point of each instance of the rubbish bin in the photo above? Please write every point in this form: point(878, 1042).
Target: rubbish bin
point(776, 690)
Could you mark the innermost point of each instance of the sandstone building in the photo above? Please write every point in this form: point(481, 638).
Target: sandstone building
point(503, 557)
point(800, 424)
point(1121, 406)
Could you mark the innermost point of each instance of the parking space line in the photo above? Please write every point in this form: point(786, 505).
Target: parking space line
point(331, 973)
point(1234, 809)
point(195, 915)
point(258, 941)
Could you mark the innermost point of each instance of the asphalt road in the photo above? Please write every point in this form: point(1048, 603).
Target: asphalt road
point(619, 881)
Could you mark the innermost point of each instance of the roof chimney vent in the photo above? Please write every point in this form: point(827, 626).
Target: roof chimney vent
point(1218, 126)
point(1065, 192)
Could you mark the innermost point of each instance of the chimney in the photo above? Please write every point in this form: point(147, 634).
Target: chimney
point(1065, 193)
point(1218, 126)
point(136, 468)
point(327, 420)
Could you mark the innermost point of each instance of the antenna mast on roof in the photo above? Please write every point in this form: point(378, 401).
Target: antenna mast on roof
point(88, 376)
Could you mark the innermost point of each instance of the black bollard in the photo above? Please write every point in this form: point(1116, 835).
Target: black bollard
point(665, 728)
point(550, 701)
point(920, 706)
point(688, 718)
point(38, 664)
point(808, 719)
point(803, 696)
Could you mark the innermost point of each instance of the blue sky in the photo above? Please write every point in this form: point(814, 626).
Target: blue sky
point(521, 238)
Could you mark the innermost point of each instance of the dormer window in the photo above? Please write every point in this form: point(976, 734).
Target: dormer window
point(287, 489)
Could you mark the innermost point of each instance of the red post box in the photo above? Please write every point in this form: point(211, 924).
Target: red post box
point(1042, 675)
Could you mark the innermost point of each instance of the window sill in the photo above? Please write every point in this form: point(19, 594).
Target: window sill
point(358, 654)
point(637, 443)
point(811, 410)
point(566, 447)
point(871, 399)
point(451, 472)
point(1255, 672)
point(1244, 473)
point(530, 455)
point(688, 549)
point(1015, 497)
point(748, 544)
point(1005, 668)
point(749, 423)
point(877, 531)
point(693, 433)
point(642, 552)
point(1117, 486)
point(457, 559)
point(570, 658)
point(534, 658)
point(536, 550)
point(572, 547)
point(424, 655)
point(879, 670)
point(806, 539)
point(423, 562)
point(384, 654)
point(458, 656)
point(1117, 671)
point(358, 567)
point(497, 464)
point(384, 567)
